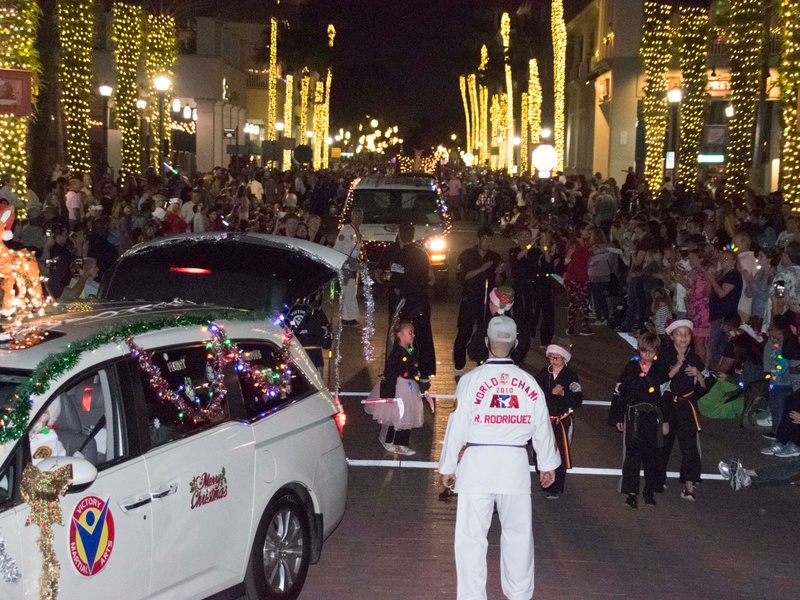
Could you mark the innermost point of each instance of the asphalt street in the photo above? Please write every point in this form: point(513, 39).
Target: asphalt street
point(396, 539)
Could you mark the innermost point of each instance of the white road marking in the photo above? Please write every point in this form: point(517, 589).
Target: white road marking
point(420, 464)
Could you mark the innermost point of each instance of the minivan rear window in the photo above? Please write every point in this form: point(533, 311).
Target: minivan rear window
point(246, 276)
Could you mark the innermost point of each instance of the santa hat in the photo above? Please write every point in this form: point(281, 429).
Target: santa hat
point(7, 219)
point(679, 323)
point(560, 350)
point(502, 298)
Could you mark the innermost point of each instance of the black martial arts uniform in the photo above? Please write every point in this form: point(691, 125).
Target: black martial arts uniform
point(561, 408)
point(637, 402)
point(524, 270)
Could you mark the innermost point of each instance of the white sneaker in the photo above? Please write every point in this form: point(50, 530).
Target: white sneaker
point(790, 450)
point(405, 451)
point(389, 447)
point(764, 421)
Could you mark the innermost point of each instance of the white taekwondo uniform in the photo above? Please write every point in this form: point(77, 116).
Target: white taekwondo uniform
point(500, 407)
point(349, 242)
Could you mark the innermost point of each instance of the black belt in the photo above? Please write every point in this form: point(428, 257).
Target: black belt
point(471, 444)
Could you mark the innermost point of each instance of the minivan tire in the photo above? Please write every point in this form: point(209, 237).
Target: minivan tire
point(281, 551)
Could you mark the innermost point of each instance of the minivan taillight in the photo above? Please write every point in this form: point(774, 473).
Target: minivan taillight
point(340, 418)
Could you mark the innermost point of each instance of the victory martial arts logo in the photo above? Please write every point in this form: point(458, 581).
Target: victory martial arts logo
point(91, 535)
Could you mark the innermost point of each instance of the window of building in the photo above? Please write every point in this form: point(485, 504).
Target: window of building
point(261, 357)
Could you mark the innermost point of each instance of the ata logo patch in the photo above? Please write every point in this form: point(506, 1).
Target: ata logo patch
point(504, 401)
point(208, 488)
point(91, 535)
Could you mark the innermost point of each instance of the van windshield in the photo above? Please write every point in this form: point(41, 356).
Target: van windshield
point(418, 207)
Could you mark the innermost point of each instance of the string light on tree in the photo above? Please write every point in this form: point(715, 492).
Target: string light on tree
point(127, 37)
point(745, 45)
point(76, 28)
point(272, 82)
point(559, 32)
point(462, 82)
point(483, 115)
point(505, 32)
point(655, 50)
point(534, 101)
point(319, 121)
point(472, 88)
point(523, 139)
point(789, 73)
point(305, 83)
point(694, 83)
point(18, 23)
point(288, 117)
point(161, 55)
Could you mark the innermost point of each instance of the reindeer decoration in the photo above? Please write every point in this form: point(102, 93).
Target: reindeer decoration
point(22, 284)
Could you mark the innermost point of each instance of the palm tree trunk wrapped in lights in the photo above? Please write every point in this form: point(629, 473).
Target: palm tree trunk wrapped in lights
point(745, 44)
point(127, 37)
point(790, 84)
point(18, 22)
point(161, 55)
point(472, 88)
point(462, 83)
point(534, 102)
point(484, 108)
point(288, 117)
point(272, 82)
point(76, 28)
point(693, 54)
point(559, 31)
point(505, 32)
point(655, 51)
point(524, 122)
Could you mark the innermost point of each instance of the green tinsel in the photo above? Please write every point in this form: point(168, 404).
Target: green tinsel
point(56, 365)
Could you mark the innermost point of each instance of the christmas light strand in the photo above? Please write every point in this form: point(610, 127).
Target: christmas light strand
point(694, 84)
point(76, 29)
point(18, 23)
point(745, 46)
point(127, 26)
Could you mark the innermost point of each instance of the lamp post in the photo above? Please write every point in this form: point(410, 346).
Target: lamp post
point(162, 84)
point(144, 159)
point(279, 127)
point(674, 95)
point(544, 159)
point(105, 92)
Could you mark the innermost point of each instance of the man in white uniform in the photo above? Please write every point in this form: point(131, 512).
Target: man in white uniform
point(500, 407)
point(349, 242)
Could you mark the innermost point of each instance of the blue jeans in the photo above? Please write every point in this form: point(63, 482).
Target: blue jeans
point(778, 395)
point(782, 472)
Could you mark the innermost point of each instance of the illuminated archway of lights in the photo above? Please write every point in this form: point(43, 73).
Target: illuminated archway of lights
point(559, 31)
point(161, 53)
point(655, 51)
point(127, 38)
point(790, 83)
point(76, 28)
point(18, 23)
point(745, 45)
point(694, 83)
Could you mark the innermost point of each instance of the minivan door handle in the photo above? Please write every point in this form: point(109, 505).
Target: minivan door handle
point(134, 502)
point(163, 492)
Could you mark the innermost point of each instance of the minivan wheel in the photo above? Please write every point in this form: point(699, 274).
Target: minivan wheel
point(281, 551)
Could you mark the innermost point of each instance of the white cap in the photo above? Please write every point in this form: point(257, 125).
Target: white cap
point(175, 201)
point(679, 323)
point(502, 329)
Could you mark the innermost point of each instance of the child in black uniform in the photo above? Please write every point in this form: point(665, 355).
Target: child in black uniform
point(687, 383)
point(637, 412)
point(563, 393)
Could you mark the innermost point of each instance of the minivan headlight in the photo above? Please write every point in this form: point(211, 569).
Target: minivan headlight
point(437, 244)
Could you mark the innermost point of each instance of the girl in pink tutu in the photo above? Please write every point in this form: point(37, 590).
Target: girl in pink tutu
point(396, 401)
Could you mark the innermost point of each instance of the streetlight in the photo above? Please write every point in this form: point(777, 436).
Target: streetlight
point(141, 104)
point(162, 83)
point(453, 137)
point(544, 158)
point(374, 123)
point(729, 111)
point(545, 133)
point(309, 134)
point(674, 95)
point(279, 127)
point(105, 91)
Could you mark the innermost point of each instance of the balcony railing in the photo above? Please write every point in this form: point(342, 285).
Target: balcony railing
point(719, 46)
point(258, 80)
point(187, 38)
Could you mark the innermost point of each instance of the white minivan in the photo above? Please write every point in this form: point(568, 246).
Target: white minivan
point(171, 497)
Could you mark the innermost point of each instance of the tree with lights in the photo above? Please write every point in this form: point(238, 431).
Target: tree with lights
point(161, 54)
point(559, 31)
point(694, 83)
point(18, 22)
point(656, 53)
point(789, 72)
point(76, 28)
point(745, 30)
point(127, 28)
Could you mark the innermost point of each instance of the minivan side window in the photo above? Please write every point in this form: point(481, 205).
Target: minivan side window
point(188, 373)
point(261, 356)
point(85, 420)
